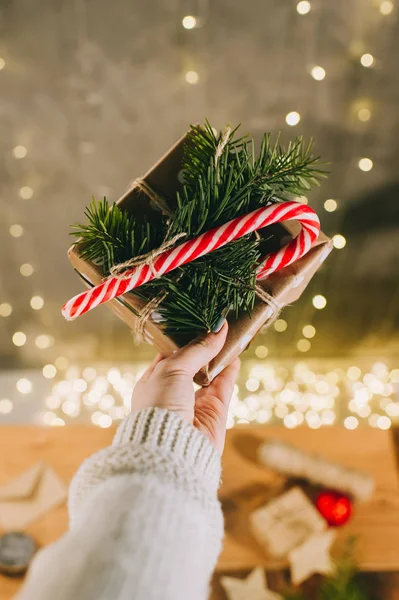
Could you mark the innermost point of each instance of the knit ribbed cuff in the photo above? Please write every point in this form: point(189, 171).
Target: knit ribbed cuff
point(159, 429)
point(152, 442)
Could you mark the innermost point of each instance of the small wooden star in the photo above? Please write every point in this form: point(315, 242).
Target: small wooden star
point(254, 587)
point(313, 556)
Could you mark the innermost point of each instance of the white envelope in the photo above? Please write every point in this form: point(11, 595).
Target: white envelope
point(36, 491)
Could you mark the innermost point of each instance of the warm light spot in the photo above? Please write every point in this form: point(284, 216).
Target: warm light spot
point(386, 7)
point(24, 386)
point(319, 301)
point(303, 345)
point(280, 325)
point(104, 421)
point(392, 409)
point(293, 118)
point(354, 373)
point(303, 7)
point(16, 230)
point(5, 309)
point(330, 205)
point(44, 341)
point(80, 385)
point(113, 376)
point(364, 114)
point(19, 152)
point(58, 422)
point(365, 164)
point(339, 241)
point(48, 417)
point(189, 22)
point(290, 421)
point(106, 402)
point(309, 331)
point(26, 270)
point(367, 60)
point(264, 415)
point(261, 351)
point(89, 373)
point(384, 422)
point(19, 338)
point(351, 422)
point(322, 387)
point(36, 302)
point(5, 406)
point(2, 64)
point(192, 77)
point(364, 411)
point(318, 73)
point(302, 199)
point(69, 408)
point(281, 411)
point(394, 376)
point(53, 402)
point(49, 371)
point(26, 192)
point(313, 419)
point(252, 384)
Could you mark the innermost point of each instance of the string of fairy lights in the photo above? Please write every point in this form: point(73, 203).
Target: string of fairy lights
point(291, 394)
point(270, 393)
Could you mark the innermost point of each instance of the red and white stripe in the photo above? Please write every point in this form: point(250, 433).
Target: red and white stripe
point(208, 242)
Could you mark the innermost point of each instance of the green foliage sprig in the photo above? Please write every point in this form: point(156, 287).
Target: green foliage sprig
point(216, 189)
point(345, 583)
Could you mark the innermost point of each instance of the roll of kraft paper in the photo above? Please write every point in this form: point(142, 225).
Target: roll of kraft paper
point(306, 465)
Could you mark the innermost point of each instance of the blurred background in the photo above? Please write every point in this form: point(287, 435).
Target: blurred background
point(93, 94)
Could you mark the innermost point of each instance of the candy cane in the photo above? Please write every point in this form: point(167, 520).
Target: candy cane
point(209, 241)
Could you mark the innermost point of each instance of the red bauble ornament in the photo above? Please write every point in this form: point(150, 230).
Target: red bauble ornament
point(335, 507)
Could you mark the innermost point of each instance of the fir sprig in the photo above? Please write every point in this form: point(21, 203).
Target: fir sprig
point(345, 583)
point(218, 186)
point(112, 236)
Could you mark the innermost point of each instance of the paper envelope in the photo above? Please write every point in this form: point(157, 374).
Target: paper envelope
point(36, 491)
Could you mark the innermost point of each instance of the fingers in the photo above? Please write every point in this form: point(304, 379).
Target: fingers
point(212, 404)
point(223, 385)
point(199, 352)
point(150, 369)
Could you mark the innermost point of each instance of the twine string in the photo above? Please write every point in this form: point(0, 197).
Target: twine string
point(145, 313)
point(142, 186)
point(270, 301)
point(122, 270)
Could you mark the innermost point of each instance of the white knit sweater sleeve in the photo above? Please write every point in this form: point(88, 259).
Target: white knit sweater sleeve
point(145, 522)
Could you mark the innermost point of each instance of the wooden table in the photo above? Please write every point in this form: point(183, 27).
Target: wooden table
point(245, 485)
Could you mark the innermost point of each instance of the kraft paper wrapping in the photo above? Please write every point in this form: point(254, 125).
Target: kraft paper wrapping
point(286, 522)
point(285, 286)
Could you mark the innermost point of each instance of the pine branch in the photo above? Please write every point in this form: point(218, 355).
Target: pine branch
point(111, 236)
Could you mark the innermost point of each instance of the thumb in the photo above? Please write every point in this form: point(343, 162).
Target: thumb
point(199, 352)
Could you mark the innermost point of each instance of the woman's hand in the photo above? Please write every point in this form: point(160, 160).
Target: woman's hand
point(168, 383)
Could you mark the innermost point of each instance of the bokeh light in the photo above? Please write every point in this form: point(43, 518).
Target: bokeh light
point(319, 301)
point(293, 118)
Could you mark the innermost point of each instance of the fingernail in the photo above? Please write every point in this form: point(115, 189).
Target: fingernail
point(219, 324)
